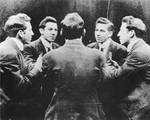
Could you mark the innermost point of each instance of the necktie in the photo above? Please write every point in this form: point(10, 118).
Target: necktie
point(48, 49)
point(101, 48)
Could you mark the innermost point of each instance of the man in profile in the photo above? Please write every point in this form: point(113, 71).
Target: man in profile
point(134, 74)
point(74, 70)
point(16, 81)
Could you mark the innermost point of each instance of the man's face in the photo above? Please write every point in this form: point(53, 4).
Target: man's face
point(28, 33)
point(124, 34)
point(50, 31)
point(102, 33)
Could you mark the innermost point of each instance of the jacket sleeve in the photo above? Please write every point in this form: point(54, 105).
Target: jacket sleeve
point(29, 55)
point(133, 64)
point(19, 80)
point(120, 54)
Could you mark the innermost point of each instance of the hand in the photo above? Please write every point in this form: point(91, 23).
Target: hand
point(113, 63)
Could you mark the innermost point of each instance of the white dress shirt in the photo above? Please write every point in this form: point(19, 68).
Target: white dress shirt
point(104, 45)
point(131, 44)
point(46, 44)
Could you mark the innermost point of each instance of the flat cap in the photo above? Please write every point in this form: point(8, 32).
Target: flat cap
point(134, 22)
point(15, 23)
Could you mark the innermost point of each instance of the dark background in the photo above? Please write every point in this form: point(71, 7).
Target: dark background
point(90, 10)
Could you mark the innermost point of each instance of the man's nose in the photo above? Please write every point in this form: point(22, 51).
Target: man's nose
point(54, 32)
point(32, 33)
point(118, 34)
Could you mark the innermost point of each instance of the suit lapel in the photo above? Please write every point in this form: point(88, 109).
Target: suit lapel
point(108, 50)
point(41, 48)
point(96, 45)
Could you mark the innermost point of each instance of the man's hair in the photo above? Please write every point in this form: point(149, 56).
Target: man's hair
point(13, 25)
point(103, 20)
point(72, 26)
point(46, 20)
point(135, 24)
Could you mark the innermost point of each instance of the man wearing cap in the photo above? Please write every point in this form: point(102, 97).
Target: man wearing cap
point(16, 81)
point(74, 70)
point(134, 75)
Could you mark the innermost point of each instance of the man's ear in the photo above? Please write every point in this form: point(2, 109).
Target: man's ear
point(20, 33)
point(84, 32)
point(41, 31)
point(61, 32)
point(110, 33)
point(132, 33)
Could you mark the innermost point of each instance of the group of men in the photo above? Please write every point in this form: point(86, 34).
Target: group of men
point(101, 81)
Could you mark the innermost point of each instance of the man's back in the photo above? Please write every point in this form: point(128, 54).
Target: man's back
point(75, 72)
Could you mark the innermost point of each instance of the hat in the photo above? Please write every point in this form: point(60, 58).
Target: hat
point(134, 22)
point(15, 23)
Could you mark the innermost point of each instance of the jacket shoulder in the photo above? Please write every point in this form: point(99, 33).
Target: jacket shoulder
point(118, 46)
point(33, 43)
point(6, 49)
point(94, 52)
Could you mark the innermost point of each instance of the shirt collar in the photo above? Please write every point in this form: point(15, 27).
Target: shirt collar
point(46, 43)
point(18, 43)
point(105, 44)
point(74, 42)
point(131, 44)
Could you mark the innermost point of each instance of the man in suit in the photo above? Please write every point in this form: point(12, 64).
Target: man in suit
point(49, 29)
point(74, 70)
point(112, 50)
point(134, 75)
point(103, 32)
point(16, 81)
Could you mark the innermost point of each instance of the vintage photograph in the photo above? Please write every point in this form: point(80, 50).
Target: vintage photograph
point(74, 60)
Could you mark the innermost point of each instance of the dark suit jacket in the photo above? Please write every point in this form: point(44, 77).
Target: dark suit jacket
point(34, 49)
point(75, 71)
point(31, 53)
point(134, 78)
point(118, 51)
point(107, 89)
point(16, 82)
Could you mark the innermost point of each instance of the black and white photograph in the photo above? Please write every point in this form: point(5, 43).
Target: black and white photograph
point(74, 60)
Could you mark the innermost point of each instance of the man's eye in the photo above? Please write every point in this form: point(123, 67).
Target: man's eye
point(50, 29)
